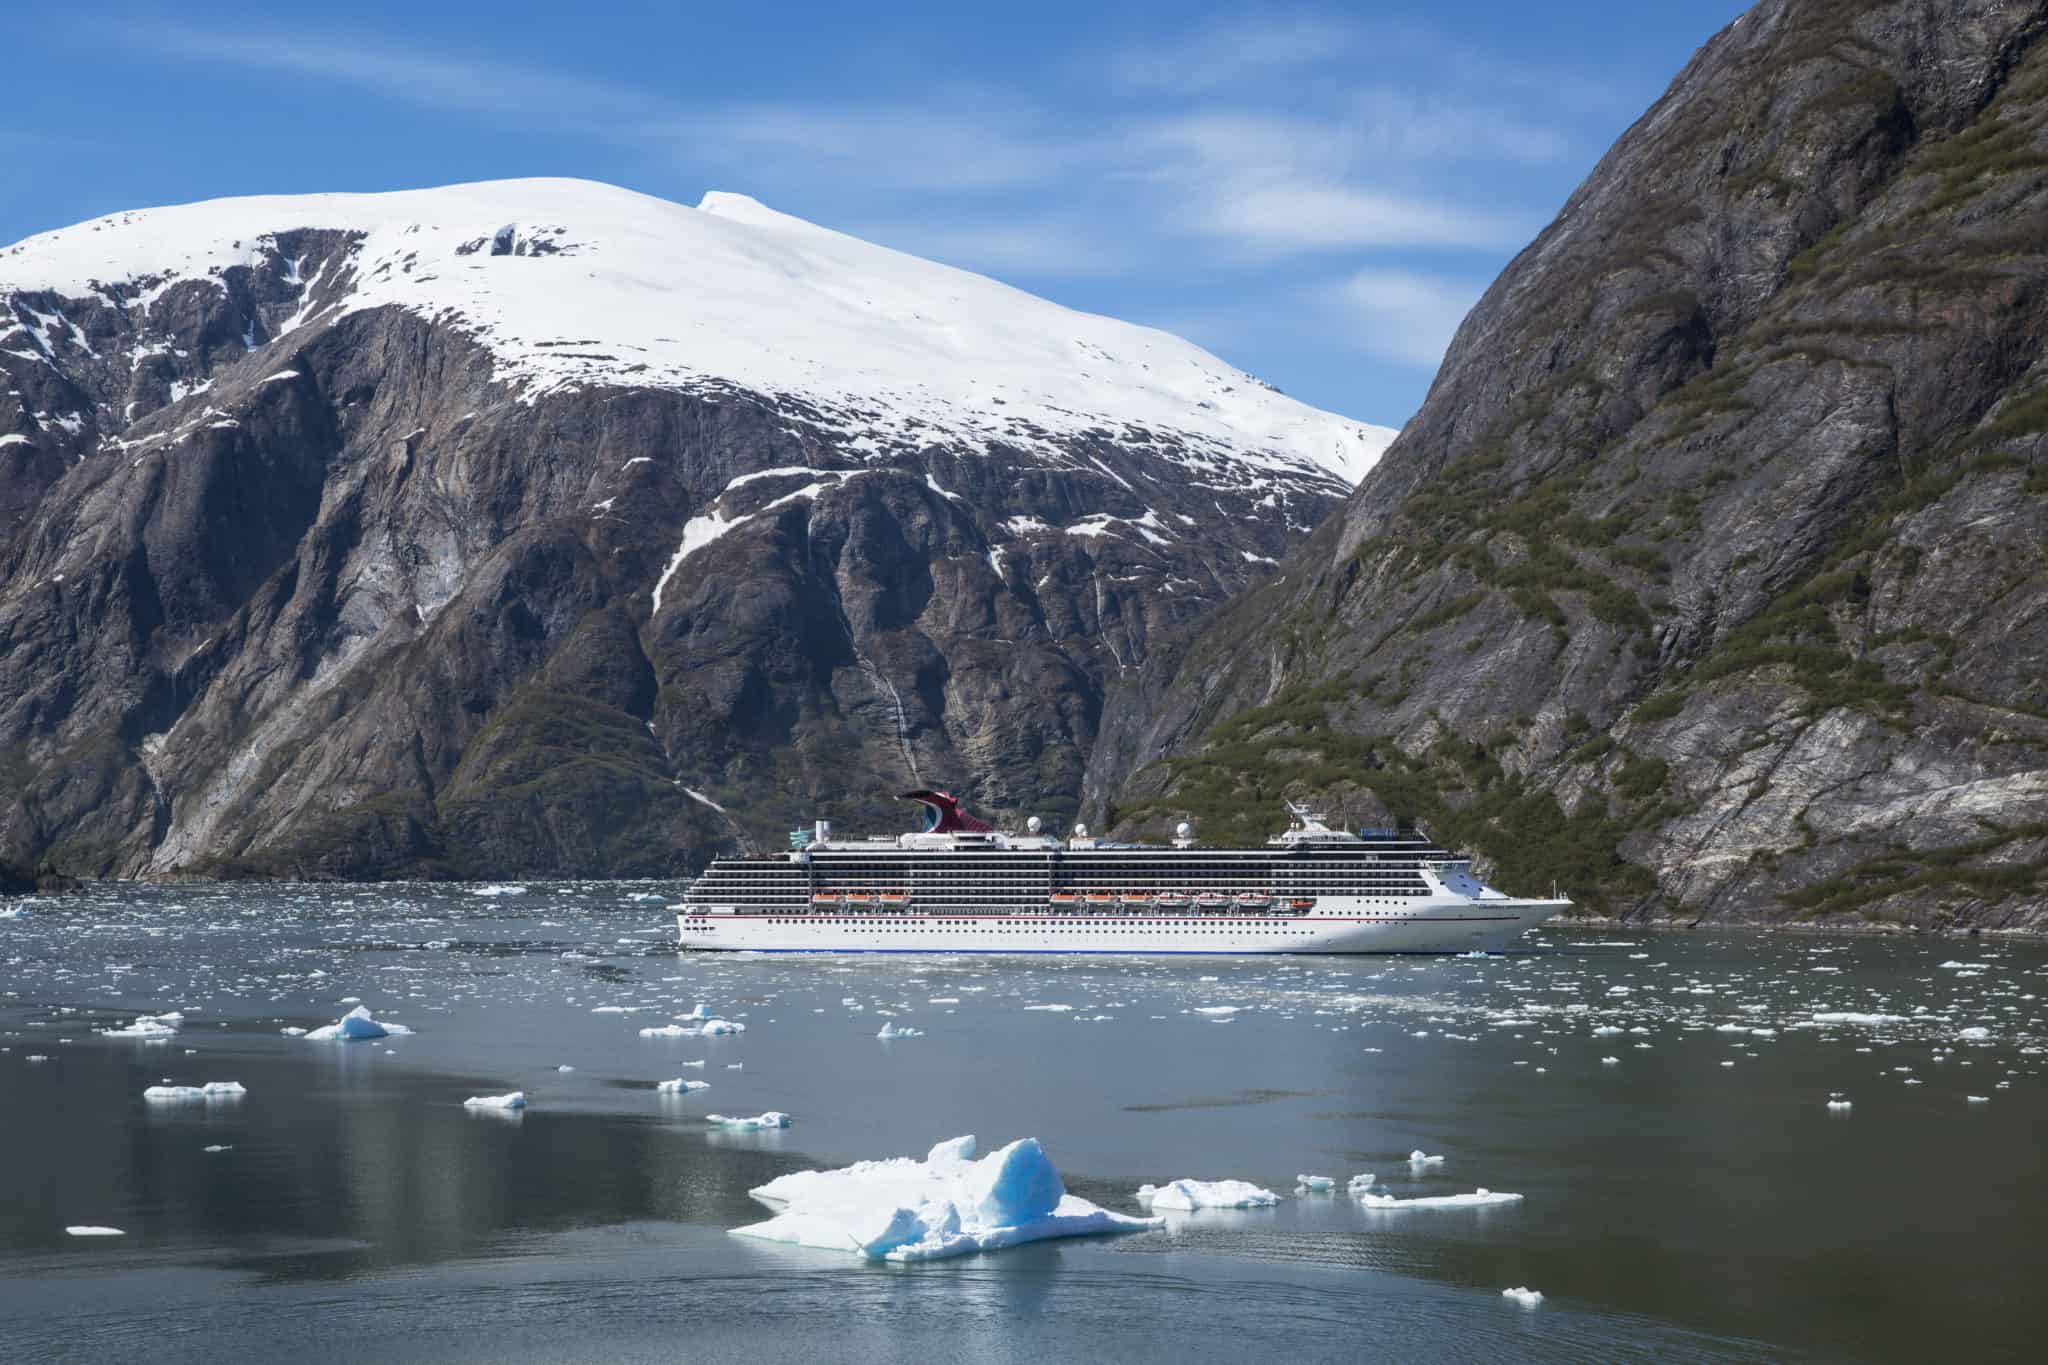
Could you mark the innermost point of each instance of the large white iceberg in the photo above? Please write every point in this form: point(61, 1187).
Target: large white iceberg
point(356, 1025)
point(213, 1092)
point(1189, 1195)
point(774, 1118)
point(948, 1204)
point(679, 1086)
point(154, 1026)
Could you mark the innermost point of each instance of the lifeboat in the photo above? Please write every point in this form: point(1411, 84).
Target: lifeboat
point(1100, 900)
point(1254, 900)
point(1064, 900)
point(859, 898)
point(1301, 903)
point(825, 899)
point(1170, 900)
point(1212, 900)
point(894, 900)
point(1136, 900)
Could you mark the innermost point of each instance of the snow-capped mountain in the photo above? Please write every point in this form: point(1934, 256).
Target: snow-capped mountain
point(542, 525)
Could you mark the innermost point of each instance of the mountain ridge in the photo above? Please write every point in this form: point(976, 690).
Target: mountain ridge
point(323, 559)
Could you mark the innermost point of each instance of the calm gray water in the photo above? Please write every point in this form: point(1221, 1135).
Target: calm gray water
point(1693, 1199)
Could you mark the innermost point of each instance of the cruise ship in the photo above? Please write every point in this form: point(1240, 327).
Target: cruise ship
point(960, 886)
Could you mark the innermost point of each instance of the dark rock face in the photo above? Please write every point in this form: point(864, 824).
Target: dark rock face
point(1709, 582)
point(324, 599)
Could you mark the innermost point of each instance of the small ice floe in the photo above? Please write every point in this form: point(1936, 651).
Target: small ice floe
point(1314, 1184)
point(1605, 1030)
point(1216, 1009)
point(358, 1024)
point(1364, 1180)
point(213, 1092)
point(1421, 1161)
point(1527, 1298)
point(90, 1230)
point(1837, 1104)
point(1189, 1195)
point(515, 1100)
point(772, 1119)
point(1978, 1099)
point(1479, 1198)
point(679, 1086)
point(565, 1067)
point(151, 1027)
point(499, 891)
point(1051, 1009)
point(219, 1147)
point(712, 1028)
point(35, 1057)
point(889, 1030)
point(1975, 1035)
point(291, 1032)
point(949, 1204)
point(668, 1031)
point(700, 1013)
point(1610, 1061)
point(1852, 1017)
point(614, 1009)
point(695, 1063)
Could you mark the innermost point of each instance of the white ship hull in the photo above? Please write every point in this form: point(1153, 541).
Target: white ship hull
point(1439, 924)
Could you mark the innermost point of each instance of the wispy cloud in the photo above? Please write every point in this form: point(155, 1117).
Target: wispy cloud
point(429, 79)
point(1404, 316)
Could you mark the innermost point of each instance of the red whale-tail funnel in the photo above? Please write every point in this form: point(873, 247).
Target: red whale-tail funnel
point(942, 814)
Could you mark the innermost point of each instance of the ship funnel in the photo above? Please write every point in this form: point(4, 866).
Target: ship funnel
point(824, 831)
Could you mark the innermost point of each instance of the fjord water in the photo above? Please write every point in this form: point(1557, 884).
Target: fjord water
point(1693, 1198)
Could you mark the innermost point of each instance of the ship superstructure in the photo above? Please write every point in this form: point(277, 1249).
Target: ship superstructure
point(958, 885)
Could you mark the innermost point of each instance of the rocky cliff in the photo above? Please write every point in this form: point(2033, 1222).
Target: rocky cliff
point(541, 527)
point(1709, 581)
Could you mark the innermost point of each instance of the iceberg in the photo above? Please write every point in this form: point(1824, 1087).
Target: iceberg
point(774, 1118)
point(89, 1230)
point(1528, 1298)
point(1189, 1195)
point(1852, 1017)
point(212, 1092)
point(1364, 1180)
point(1975, 1035)
point(668, 1031)
point(1315, 1184)
point(151, 1026)
point(356, 1025)
point(711, 1028)
point(499, 891)
point(948, 1204)
point(1421, 1161)
point(515, 1100)
point(679, 1086)
point(891, 1031)
point(1479, 1198)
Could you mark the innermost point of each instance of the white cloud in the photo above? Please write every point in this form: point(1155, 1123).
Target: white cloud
point(1402, 315)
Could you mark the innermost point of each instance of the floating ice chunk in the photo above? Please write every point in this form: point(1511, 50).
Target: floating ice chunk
point(1364, 1180)
point(89, 1230)
point(1605, 1030)
point(563, 1067)
point(771, 1119)
point(1527, 1298)
point(292, 1032)
point(946, 1205)
point(615, 1009)
point(889, 1030)
point(712, 1028)
point(1418, 1159)
point(1479, 1198)
point(1216, 1009)
point(1975, 1034)
point(219, 1147)
point(734, 1066)
point(213, 1092)
point(35, 1057)
point(668, 1031)
point(153, 1027)
point(699, 1013)
point(1852, 1017)
point(1610, 1061)
point(1978, 1099)
point(1189, 1195)
point(1052, 1009)
point(499, 891)
point(356, 1025)
point(679, 1086)
point(1315, 1184)
point(695, 1063)
point(515, 1100)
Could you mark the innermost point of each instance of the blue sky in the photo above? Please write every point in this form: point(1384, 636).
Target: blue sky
point(1316, 193)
